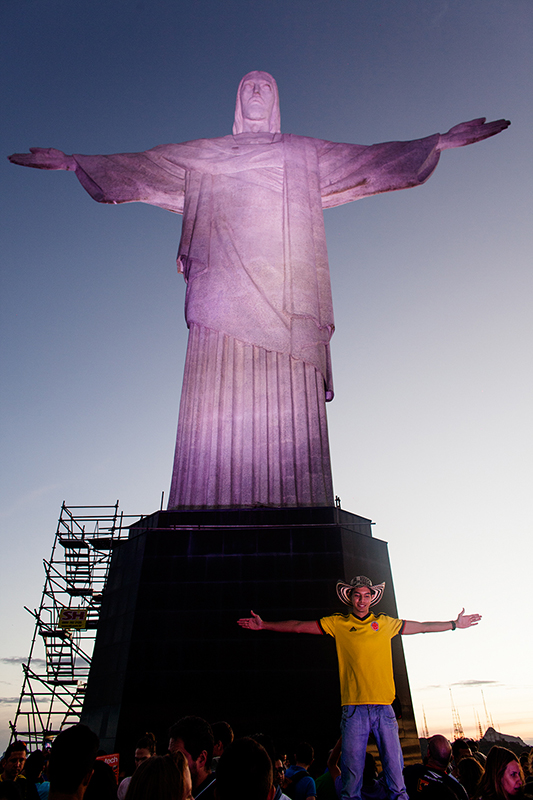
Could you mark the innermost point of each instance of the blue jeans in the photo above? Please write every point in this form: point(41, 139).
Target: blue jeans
point(356, 724)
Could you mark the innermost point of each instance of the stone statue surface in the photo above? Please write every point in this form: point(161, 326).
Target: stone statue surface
point(252, 426)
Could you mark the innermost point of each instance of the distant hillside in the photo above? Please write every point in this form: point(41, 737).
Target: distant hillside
point(493, 737)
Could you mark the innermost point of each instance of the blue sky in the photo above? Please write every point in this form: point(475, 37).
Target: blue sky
point(431, 425)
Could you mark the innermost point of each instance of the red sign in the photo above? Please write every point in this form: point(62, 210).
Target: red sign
point(112, 760)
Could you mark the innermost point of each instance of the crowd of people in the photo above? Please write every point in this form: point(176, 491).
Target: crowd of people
point(204, 761)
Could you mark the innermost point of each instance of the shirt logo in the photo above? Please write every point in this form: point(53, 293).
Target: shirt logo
point(374, 626)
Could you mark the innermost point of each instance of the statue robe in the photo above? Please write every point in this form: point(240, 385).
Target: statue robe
point(252, 426)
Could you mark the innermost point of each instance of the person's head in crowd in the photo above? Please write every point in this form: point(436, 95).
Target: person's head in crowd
point(245, 772)
point(503, 777)
point(162, 778)
point(34, 765)
point(439, 752)
point(524, 763)
point(469, 774)
point(370, 770)
point(304, 754)
point(194, 738)
point(460, 749)
point(13, 761)
point(278, 766)
point(103, 784)
point(71, 763)
point(223, 737)
point(145, 749)
point(279, 770)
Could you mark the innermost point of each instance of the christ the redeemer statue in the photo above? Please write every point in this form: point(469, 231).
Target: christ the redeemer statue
point(252, 425)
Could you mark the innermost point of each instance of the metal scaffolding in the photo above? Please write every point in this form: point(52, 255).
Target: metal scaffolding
point(56, 673)
point(458, 732)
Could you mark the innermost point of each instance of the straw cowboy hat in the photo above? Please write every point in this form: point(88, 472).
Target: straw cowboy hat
point(344, 590)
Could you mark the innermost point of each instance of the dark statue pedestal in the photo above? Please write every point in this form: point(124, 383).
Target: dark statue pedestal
point(168, 643)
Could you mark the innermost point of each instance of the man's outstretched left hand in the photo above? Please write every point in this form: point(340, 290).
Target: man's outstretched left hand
point(467, 620)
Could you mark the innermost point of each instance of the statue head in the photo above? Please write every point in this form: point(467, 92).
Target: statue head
point(257, 107)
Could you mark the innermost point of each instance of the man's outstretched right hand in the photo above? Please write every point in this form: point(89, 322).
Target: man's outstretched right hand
point(254, 623)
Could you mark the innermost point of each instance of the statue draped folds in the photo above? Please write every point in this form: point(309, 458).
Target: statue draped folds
point(258, 303)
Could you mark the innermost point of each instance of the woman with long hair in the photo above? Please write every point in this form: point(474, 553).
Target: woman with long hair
point(165, 777)
point(503, 778)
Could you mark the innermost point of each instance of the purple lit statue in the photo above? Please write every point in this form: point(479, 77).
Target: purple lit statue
point(252, 425)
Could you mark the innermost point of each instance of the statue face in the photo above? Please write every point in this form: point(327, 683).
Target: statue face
point(257, 97)
point(257, 106)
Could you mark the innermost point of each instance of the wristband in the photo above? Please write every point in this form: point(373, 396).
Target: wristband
point(454, 625)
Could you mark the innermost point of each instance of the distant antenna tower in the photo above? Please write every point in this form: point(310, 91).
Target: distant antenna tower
point(490, 721)
point(478, 723)
point(458, 732)
point(425, 730)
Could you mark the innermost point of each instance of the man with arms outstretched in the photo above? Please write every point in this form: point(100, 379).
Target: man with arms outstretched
point(366, 677)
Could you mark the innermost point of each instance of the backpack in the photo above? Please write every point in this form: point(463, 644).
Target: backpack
point(290, 789)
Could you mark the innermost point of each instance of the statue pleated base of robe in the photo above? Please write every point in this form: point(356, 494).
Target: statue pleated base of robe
point(243, 439)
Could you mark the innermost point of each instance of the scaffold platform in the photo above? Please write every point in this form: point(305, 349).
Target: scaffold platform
point(57, 668)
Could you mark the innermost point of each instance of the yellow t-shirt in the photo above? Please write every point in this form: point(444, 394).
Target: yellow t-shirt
point(365, 657)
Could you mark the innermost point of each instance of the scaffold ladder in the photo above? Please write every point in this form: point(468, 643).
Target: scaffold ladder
point(57, 669)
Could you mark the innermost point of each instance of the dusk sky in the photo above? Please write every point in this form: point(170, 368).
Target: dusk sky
point(430, 429)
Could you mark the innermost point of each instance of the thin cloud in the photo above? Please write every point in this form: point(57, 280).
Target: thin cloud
point(476, 683)
point(431, 686)
point(18, 660)
point(9, 701)
point(468, 684)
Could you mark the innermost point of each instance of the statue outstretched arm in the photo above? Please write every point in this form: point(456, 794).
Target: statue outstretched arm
point(350, 172)
point(470, 132)
point(118, 178)
point(44, 158)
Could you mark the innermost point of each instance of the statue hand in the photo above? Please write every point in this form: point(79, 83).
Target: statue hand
point(254, 623)
point(470, 132)
point(467, 620)
point(44, 158)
